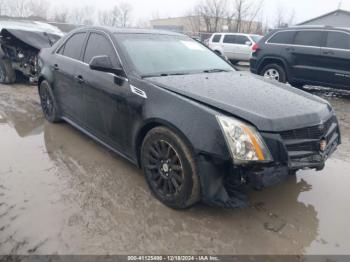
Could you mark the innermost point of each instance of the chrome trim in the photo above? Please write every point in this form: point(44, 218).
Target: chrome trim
point(138, 91)
point(82, 62)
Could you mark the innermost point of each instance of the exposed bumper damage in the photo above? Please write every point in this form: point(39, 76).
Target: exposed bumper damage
point(225, 185)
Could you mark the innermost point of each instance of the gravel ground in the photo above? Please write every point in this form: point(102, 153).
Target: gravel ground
point(62, 193)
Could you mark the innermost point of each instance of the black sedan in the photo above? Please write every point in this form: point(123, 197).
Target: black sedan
point(199, 129)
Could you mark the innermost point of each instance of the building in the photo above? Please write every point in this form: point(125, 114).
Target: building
point(203, 27)
point(337, 18)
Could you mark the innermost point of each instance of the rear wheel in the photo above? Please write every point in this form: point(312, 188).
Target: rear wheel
point(7, 73)
point(170, 169)
point(48, 103)
point(274, 72)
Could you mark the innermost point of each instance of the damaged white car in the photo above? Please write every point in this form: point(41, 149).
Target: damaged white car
point(20, 44)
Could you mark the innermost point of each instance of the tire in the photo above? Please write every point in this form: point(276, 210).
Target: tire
point(275, 71)
point(170, 169)
point(234, 62)
point(48, 103)
point(218, 52)
point(7, 73)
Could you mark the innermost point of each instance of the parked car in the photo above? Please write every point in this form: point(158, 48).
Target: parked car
point(305, 55)
point(198, 128)
point(20, 43)
point(236, 47)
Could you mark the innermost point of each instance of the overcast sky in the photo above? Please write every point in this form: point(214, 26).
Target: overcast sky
point(146, 9)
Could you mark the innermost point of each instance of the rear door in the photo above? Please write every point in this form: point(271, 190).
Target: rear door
point(336, 59)
point(215, 42)
point(305, 55)
point(104, 93)
point(235, 47)
point(67, 91)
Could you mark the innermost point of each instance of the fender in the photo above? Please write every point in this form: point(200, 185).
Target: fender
point(283, 61)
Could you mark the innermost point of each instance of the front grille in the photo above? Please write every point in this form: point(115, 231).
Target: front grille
point(306, 141)
point(314, 132)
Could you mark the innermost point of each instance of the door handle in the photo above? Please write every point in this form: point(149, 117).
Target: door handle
point(55, 67)
point(79, 79)
point(328, 53)
point(290, 49)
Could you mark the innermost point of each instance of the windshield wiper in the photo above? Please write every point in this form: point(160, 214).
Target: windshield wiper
point(165, 74)
point(216, 70)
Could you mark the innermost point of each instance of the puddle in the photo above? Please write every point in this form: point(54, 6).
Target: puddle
point(60, 192)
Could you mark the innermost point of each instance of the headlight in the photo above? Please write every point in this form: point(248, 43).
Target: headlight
point(244, 141)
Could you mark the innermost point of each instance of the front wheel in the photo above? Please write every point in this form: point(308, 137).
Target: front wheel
point(169, 168)
point(48, 103)
point(274, 72)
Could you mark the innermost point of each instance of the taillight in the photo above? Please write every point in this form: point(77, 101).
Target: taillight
point(255, 47)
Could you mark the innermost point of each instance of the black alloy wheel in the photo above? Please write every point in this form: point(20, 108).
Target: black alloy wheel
point(47, 102)
point(170, 169)
point(165, 168)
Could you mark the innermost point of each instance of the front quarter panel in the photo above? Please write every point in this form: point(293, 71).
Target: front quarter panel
point(195, 122)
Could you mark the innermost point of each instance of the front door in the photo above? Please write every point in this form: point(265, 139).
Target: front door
point(105, 94)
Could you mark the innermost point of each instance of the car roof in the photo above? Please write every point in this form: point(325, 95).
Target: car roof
point(231, 33)
point(114, 30)
point(321, 27)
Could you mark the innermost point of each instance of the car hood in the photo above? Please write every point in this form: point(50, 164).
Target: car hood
point(270, 106)
point(35, 39)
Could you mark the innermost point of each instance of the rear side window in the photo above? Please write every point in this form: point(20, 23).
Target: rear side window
point(217, 38)
point(98, 45)
point(338, 40)
point(309, 38)
point(241, 39)
point(283, 38)
point(74, 45)
point(230, 39)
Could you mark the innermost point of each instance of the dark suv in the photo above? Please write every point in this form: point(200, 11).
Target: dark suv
point(305, 55)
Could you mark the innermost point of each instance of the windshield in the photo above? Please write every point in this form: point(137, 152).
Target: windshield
point(156, 55)
point(256, 38)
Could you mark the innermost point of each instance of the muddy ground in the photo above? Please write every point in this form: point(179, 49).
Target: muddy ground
point(62, 193)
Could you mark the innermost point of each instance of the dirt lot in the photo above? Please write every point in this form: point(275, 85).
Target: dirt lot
point(62, 193)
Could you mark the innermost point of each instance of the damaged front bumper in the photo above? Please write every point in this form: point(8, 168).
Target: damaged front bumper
point(224, 184)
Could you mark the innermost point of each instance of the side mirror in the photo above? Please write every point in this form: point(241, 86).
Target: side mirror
point(248, 43)
point(104, 64)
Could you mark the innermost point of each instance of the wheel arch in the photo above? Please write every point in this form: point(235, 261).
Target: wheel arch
point(151, 124)
point(273, 60)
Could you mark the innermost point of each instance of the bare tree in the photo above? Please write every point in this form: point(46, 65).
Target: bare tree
point(3, 7)
point(18, 8)
point(125, 11)
point(38, 8)
point(60, 15)
point(243, 16)
point(119, 16)
point(82, 16)
point(212, 12)
point(283, 19)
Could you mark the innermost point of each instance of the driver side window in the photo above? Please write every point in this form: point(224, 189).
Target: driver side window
point(98, 45)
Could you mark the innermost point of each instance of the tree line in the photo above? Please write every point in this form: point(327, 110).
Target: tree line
point(118, 16)
point(237, 15)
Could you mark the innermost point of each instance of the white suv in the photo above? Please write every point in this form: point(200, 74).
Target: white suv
point(236, 47)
